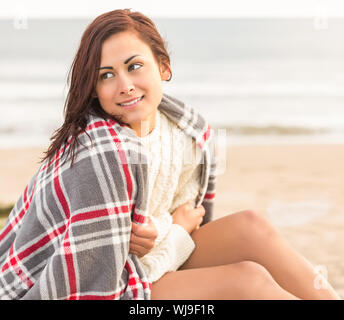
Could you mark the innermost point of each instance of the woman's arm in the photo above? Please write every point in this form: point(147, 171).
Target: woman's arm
point(177, 246)
point(187, 191)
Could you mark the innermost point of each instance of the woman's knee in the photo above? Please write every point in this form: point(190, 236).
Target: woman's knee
point(253, 225)
point(255, 277)
point(253, 271)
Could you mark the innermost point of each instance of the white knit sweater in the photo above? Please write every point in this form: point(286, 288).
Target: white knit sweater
point(174, 179)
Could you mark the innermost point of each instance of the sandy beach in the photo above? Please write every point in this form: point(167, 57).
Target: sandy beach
point(298, 188)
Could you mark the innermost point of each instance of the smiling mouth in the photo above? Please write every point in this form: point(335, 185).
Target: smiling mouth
point(132, 103)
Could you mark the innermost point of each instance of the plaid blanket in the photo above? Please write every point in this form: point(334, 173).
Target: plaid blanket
point(68, 235)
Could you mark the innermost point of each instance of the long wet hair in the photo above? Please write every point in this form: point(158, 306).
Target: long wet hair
point(83, 74)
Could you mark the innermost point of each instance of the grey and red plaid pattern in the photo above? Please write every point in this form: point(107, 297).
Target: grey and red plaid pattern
point(68, 235)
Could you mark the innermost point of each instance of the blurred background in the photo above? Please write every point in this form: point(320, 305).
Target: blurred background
point(266, 73)
point(269, 72)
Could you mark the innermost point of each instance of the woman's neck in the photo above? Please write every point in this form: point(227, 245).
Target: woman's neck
point(144, 127)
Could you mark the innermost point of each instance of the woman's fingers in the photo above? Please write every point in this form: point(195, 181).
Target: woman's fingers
point(142, 238)
point(201, 210)
point(148, 231)
point(142, 242)
point(137, 250)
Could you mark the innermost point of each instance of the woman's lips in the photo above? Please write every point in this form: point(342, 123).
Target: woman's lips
point(131, 106)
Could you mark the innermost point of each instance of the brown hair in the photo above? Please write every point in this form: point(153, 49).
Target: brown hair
point(83, 74)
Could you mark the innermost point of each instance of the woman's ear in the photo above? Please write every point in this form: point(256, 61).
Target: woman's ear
point(166, 73)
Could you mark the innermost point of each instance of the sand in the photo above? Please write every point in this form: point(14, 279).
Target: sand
point(299, 188)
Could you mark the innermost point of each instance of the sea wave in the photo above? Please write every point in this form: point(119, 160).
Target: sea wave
point(25, 127)
point(33, 69)
point(283, 89)
point(40, 90)
point(273, 130)
point(19, 91)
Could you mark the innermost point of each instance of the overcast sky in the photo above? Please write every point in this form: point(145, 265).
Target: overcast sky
point(174, 8)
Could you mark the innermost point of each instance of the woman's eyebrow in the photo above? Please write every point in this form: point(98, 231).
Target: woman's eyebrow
point(125, 62)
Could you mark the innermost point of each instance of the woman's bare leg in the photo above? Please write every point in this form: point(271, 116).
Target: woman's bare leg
point(240, 281)
point(248, 236)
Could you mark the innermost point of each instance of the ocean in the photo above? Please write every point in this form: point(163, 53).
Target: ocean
point(263, 81)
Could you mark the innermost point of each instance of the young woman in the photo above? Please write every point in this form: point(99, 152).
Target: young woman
point(116, 211)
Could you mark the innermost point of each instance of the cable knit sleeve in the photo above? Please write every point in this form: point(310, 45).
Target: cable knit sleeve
point(163, 224)
point(170, 254)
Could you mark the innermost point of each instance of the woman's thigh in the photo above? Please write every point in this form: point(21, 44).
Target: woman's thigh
point(245, 280)
point(234, 238)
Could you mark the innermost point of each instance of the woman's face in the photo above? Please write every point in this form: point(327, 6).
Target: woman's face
point(129, 71)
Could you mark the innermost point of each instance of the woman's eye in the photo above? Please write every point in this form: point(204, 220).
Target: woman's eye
point(106, 75)
point(132, 67)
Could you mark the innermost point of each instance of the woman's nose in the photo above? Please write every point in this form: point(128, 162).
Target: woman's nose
point(128, 90)
point(126, 85)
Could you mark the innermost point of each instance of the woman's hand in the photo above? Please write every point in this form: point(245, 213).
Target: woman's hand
point(188, 217)
point(142, 238)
